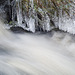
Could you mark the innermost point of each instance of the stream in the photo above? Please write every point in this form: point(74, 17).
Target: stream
point(52, 53)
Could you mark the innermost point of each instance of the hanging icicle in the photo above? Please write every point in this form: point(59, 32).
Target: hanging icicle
point(19, 12)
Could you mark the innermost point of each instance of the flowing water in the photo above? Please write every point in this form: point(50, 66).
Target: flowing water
point(36, 54)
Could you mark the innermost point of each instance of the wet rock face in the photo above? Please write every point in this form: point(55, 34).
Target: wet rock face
point(8, 11)
point(2, 2)
point(4, 5)
point(2, 11)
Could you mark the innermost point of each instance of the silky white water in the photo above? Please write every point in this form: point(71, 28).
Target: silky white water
point(36, 54)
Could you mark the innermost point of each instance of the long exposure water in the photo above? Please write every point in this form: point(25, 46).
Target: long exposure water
point(36, 54)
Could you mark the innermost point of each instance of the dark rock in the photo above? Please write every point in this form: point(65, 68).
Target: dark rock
point(39, 15)
point(56, 29)
point(18, 29)
point(8, 10)
point(38, 28)
point(2, 2)
point(52, 23)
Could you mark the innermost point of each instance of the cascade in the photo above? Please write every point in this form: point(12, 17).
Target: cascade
point(27, 54)
point(37, 54)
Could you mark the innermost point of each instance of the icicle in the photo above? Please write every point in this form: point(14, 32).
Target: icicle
point(67, 24)
point(60, 18)
point(46, 23)
point(47, 26)
point(71, 12)
point(31, 25)
point(13, 4)
point(32, 3)
point(19, 12)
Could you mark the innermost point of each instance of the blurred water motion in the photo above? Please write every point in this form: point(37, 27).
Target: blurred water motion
point(35, 54)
